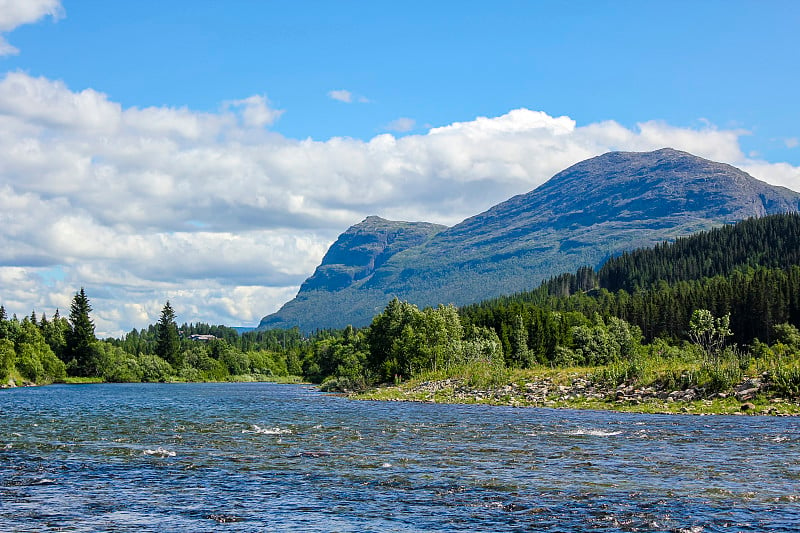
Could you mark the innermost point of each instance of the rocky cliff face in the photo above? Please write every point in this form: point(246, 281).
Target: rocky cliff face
point(365, 247)
point(583, 215)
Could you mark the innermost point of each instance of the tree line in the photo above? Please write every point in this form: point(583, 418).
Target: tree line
point(675, 296)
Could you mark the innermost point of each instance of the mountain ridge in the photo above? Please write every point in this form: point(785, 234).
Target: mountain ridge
point(584, 214)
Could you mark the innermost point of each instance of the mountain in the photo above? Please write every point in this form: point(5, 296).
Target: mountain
point(591, 211)
point(353, 258)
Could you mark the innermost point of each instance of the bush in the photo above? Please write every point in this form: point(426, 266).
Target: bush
point(54, 368)
point(7, 357)
point(721, 376)
point(341, 384)
point(126, 369)
point(190, 373)
point(630, 372)
point(786, 380)
point(28, 363)
point(237, 362)
point(268, 363)
point(154, 368)
point(566, 358)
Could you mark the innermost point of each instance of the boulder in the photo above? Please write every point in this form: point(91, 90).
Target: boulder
point(747, 406)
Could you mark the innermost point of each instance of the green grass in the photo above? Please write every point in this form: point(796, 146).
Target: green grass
point(80, 380)
point(263, 378)
point(661, 373)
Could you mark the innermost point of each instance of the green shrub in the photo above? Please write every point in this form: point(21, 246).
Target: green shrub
point(619, 372)
point(28, 363)
point(786, 380)
point(237, 362)
point(54, 368)
point(721, 376)
point(154, 368)
point(7, 357)
point(678, 379)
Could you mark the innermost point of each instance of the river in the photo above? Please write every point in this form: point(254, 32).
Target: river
point(245, 457)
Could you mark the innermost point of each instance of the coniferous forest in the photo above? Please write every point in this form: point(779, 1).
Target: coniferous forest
point(724, 299)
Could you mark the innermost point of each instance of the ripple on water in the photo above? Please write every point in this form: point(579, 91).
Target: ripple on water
point(188, 457)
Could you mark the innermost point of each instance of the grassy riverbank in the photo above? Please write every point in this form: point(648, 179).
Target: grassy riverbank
point(244, 378)
point(664, 390)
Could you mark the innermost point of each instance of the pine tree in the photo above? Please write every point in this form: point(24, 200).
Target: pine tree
point(168, 344)
point(4, 329)
point(80, 337)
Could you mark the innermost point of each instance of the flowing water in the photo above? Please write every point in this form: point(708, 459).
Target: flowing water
point(265, 457)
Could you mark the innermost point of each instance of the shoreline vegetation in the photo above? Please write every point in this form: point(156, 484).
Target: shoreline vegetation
point(76, 380)
point(706, 324)
point(585, 388)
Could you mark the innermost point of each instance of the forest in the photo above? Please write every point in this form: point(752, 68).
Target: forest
point(721, 300)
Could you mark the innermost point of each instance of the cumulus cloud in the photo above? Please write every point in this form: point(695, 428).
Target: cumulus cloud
point(341, 95)
point(225, 218)
point(256, 111)
point(401, 125)
point(15, 13)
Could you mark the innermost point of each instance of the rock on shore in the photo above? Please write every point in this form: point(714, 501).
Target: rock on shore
point(545, 392)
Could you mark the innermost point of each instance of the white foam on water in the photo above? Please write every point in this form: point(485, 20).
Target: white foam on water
point(594, 432)
point(386, 465)
point(160, 452)
point(268, 431)
point(16, 434)
point(8, 446)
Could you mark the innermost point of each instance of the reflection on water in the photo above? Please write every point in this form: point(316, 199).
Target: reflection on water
point(264, 457)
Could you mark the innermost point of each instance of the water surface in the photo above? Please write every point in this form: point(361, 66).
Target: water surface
point(265, 457)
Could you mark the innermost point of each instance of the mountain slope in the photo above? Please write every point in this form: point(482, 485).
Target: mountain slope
point(581, 216)
point(352, 259)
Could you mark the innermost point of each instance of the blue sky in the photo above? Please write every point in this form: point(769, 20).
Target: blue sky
point(208, 152)
point(732, 63)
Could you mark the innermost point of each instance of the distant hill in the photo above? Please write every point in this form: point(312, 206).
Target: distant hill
point(583, 215)
point(749, 270)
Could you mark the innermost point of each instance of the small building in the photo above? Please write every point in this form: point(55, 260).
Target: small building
point(203, 338)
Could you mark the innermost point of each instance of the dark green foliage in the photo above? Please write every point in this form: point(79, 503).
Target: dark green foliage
point(7, 357)
point(386, 359)
point(80, 338)
point(28, 347)
point(154, 368)
point(404, 340)
point(168, 343)
point(237, 362)
point(342, 361)
point(756, 279)
point(786, 381)
point(35, 360)
point(55, 333)
point(772, 242)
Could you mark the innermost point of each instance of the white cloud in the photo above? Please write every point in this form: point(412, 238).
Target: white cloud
point(226, 219)
point(255, 111)
point(15, 13)
point(341, 95)
point(791, 142)
point(401, 125)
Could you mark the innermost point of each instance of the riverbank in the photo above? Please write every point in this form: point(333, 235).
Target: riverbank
point(18, 381)
point(581, 389)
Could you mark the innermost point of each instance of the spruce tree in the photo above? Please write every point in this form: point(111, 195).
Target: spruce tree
point(168, 344)
point(4, 330)
point(80, 337)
